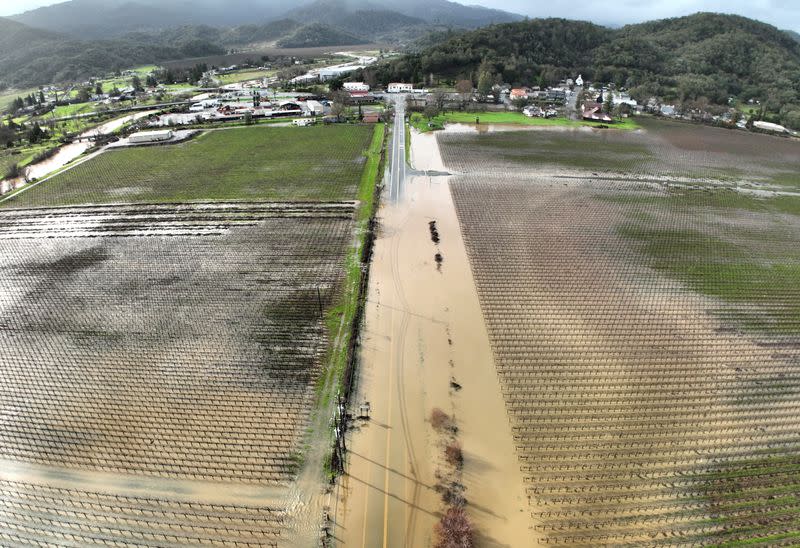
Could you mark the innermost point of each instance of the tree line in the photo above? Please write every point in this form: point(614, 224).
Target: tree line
point(704, 58)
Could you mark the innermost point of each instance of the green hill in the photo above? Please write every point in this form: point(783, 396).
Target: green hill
point(369, 23)
point(30, 57)
point(705, 56)
point(316, 35)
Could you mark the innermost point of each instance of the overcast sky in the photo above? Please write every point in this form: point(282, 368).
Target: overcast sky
point(781, 13)
point(784, 14)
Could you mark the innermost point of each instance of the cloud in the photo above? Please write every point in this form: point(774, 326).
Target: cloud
point(13, 7)
point(783, 14)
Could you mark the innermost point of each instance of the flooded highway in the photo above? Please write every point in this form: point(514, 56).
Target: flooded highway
point(425, 347)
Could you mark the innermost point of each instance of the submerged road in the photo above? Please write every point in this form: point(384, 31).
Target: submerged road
point(423, 329)
point(398, 171)
point(387, 497)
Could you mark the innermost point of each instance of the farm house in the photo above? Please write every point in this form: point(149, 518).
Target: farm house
point(315, 108)
point(355, 86)
point(594, 113)
point(399, 87)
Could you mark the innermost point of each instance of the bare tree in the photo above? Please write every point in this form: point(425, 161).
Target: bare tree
point(431, 111)
point(464, 88)
point(440, 99)
point(340, 103)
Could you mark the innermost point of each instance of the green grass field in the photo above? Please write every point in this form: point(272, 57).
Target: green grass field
point(340, 317)
point(244, 76)
point(6, 97)
point(514, 118)
point(282, 164)
point(749, 268)
point(573, 148)
point(64, 111)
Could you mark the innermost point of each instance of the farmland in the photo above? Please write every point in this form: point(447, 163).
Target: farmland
point(309, 164)
point(244, 359)
point(420, 122)
point(166, 365)
point(640, 294)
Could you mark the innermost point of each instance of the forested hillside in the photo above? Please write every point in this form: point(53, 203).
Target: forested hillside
point(369, 23)
point(91, 19)
point(701, 57)
point(33, 57)
point(705, 55)
point(113, 18)
point(317, 34)
point(76, 39)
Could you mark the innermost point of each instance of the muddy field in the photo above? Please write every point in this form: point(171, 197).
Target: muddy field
point(642, 307)
point(665, 151)
point(168, 341)
point(40, 515)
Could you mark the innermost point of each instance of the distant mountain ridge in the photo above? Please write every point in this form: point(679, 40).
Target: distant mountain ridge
point(112, 18)
point(30, 57)
point(317, 35)
point(702, 58)
point(91, 19)
point(134, 31)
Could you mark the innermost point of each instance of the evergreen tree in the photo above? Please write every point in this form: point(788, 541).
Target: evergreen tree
point(36, 133)
point(136, 83)
point(485, 78)
point(608, 104)
point(17, 104)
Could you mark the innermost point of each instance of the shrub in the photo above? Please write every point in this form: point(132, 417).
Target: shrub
point(439, 419)
point(454, 454)
point(454, 530)
point(13, 171)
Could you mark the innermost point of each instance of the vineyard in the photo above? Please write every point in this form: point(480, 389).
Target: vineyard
point(282, 164)
point(641, 296)
point(164, 361)
point(164, 354)
point(46, 516)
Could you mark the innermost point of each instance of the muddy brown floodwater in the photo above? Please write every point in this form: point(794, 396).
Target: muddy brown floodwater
point(425, 346)
point(69, 153)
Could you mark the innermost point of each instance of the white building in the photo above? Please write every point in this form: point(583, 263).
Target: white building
point(579, 80)
point(767, 126)
point(356, 86)
point(150, 137)
point(621, 98)
point(668, 110)
point(330, 73)
point(399, 87)
point(315, 108)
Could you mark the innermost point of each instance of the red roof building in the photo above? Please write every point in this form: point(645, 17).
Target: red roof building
point(594, 113)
